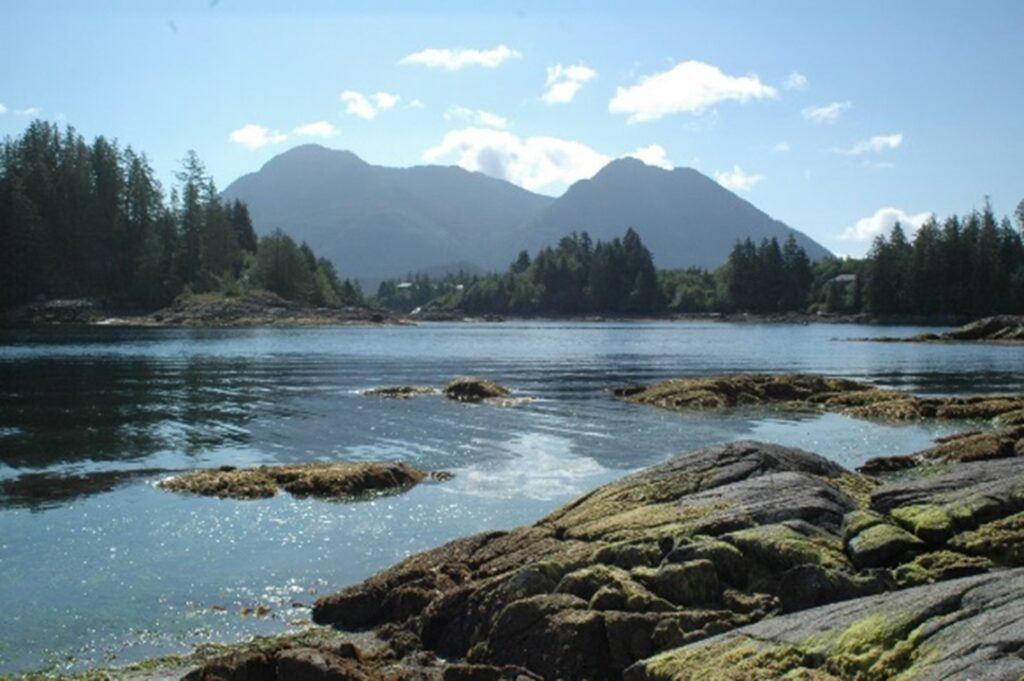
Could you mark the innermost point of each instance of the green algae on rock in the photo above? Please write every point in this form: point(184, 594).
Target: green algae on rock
point(809, 391)
point(337, 480)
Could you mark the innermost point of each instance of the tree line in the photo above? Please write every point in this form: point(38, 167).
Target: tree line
point(577, 276)
point(970, 266)
point(91, 220)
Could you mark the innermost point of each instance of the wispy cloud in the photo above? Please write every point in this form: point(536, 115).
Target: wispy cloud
point(475, 117)
point(30, 111)
point(532, 162)
point(781, 147)
point(689, 87)
point(253, 136)
point(368, 106)
point(882, 221)
point(460, 58)
point(876, 144)
point(564, 82)
point(415, 104)
point(316, 129)
point(795, 81)
point(737, 179)
point(827, 113)
point(3, 109)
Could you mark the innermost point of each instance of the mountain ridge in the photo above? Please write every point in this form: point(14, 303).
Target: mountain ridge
point(378, 221)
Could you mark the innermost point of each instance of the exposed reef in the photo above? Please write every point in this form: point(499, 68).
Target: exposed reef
point(808, 391)
point(464, 389)
point(337, 480)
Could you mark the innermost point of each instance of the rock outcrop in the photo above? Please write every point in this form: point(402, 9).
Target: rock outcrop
point(338, 480)
point(996, 329)
point(709, 542)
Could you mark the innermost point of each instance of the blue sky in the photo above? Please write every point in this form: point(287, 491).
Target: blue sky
point(835, 118)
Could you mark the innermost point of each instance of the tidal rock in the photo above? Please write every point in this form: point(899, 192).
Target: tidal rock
point(474, 389)
point(337, 480)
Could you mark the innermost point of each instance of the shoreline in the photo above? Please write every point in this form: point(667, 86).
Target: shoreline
point(725, 544)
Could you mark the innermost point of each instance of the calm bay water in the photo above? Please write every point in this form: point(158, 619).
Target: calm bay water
point(97, 565)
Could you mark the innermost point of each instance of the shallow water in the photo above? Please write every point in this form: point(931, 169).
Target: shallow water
point(99, 566)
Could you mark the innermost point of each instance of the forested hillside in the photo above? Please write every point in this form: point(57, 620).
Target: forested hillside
point(82, 219)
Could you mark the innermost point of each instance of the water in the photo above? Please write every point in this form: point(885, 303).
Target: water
point(97, 565)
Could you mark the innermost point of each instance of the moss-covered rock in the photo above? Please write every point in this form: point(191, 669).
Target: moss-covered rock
point(809, 391)
point(1001, 540)
point(691, 583)
point(881, 544)
point(337, 480)
point(938, 566)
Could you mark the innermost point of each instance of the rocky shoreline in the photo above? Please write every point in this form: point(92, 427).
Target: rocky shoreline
point(250, 309)
point(740, 561)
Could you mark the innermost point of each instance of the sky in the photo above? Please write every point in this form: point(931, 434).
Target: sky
point(836, 118)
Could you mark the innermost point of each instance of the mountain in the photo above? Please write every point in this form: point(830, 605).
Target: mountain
point(377, 222)
point(374, 221)
point(685, 218)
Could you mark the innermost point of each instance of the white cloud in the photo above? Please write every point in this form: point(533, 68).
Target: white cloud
point(653, 155)
point(3, 109)
point(475, 117)
point(828, 113)
point(795, 81)
point(690, 87)
point(876, 144)
point(736, 179)
point(531, 162)
point(781, 148)
point(30, 111)
point(316, 129)
point(368, 106)
point(565, 81)
point(882, 222)
point(415, 104)
point(252, 136)
point(455, 59)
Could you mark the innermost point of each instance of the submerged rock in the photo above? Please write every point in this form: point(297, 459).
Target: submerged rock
point(401, 391)
point(474, 389)
point(327, 480)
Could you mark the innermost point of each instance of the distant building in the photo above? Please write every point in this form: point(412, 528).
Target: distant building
point(404, 285)
point(843, 279)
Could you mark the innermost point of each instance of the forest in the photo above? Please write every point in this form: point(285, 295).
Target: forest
point(91, 220)
point(970, 266)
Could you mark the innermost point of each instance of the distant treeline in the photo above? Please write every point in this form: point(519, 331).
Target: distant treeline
point(970, 266)
point(91, 220)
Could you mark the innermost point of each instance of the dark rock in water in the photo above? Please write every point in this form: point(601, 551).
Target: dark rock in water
point(965, 628)
point(474, 389)
point(401, 391)
point(327, 480)
point(627, 390)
